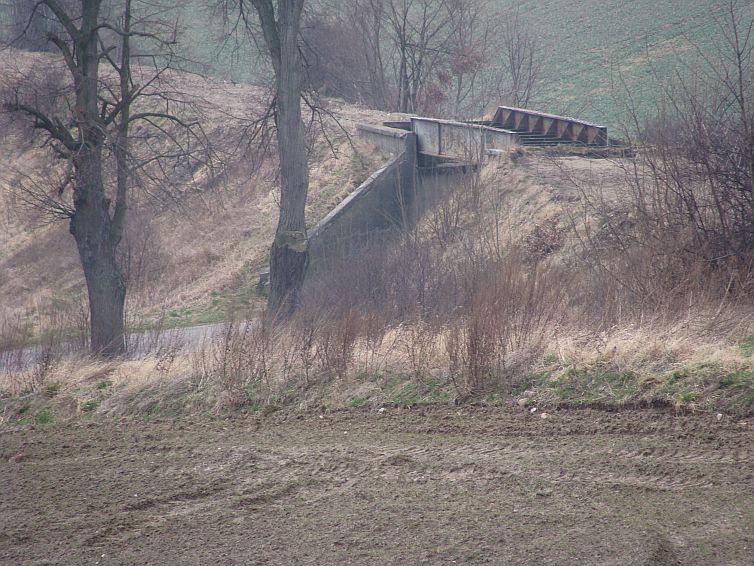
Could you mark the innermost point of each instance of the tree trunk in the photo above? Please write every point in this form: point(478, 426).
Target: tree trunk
point(91, 227)
point(91, 223)
point(289, 256)
point(96, 118)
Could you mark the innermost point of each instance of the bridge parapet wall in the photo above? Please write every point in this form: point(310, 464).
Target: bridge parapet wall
point(391, 140)
point(378, 207)
point(459, 140)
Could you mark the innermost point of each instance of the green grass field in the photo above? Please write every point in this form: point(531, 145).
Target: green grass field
point(597, 51)
point(601, 51)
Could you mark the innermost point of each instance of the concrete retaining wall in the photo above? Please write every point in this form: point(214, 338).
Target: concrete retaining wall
point(391, 199)
point(382, 204)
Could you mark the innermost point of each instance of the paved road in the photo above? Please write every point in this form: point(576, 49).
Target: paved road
point(139, 344)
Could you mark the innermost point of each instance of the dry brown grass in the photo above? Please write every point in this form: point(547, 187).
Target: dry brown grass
point(693, 365)
point(218, 232)
point(518, 284)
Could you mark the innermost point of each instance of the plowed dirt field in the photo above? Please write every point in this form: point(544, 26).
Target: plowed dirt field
point(433, 486)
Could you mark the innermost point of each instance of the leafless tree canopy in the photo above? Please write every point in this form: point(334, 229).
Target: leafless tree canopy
point(449, 57)
point(29, 23)
point(703, 163)
point(106, 107)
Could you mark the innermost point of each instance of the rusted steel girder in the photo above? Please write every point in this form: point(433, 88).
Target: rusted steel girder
point(550, 125)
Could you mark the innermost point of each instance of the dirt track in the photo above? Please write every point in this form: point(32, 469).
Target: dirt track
point(399, 487)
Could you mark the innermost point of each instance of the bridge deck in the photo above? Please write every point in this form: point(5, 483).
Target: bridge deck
point(473, 141)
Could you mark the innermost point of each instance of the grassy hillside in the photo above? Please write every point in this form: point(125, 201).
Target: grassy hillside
point(596, 50)
point(599, 49)
point(193, 259)
point(500, 310)
point(531, 284)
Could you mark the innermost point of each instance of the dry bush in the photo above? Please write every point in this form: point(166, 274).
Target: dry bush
point(639, 257)
point(545, 239)
point(511, 308)
point(29, 373)
point(453, 292)
point(680, 236)
point(32, 347)
point(304, 330)
point(335, 343)
point(15, 333)
point(445, 220)
point(375, 341)
point(420, 344)
point(237, 362)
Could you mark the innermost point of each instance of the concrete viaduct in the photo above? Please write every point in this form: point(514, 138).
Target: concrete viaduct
point(428, 159)
point(473, 141)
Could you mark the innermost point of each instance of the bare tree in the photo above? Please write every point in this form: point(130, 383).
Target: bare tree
point(450, 57)
point(86, 124)
point(280, 26)
point(492, 56)
point(289, 256)
point(394, 49)
point(419, 33)
point(703, 163)
point(346, 49)
point(522, 59)
point(471, 51)
point(367, 17)
point(332, 70)
point(24, 31)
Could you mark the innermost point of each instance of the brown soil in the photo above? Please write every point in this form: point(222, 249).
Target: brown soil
point(466, 486)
